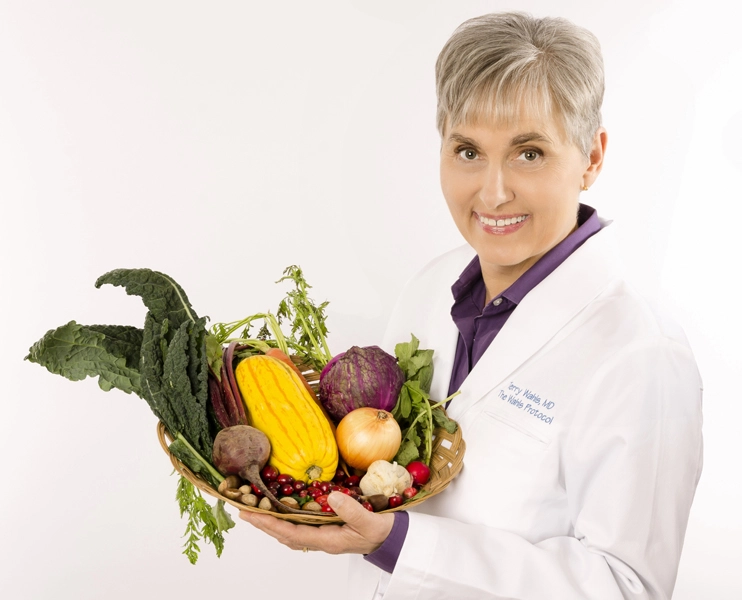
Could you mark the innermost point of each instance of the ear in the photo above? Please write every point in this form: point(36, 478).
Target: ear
point(597, 152)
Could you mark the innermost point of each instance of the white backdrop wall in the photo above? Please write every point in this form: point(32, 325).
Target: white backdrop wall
point(220, 142)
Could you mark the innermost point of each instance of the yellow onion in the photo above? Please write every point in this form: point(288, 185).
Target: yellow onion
point(366, 435)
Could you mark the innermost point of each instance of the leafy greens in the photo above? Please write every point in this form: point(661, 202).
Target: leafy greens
point(416, 415)
point(164, 363)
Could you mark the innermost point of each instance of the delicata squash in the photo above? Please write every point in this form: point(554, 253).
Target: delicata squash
point(278, 404)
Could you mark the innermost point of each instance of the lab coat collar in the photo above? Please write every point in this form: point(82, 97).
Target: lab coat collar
point(540, 315)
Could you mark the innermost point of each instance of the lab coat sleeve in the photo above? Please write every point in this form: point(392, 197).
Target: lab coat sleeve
point(631, 463)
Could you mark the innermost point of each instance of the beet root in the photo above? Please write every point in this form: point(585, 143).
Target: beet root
point(243, 450)
point(238, 447)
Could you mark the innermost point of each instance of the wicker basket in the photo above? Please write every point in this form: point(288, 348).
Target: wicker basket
point(446, 462)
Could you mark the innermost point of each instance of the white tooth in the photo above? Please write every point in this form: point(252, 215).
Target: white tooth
point(500, 222)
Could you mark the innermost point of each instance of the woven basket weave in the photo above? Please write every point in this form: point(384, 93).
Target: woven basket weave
point(446, 462)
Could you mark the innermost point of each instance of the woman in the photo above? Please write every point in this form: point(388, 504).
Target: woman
point(580, 406)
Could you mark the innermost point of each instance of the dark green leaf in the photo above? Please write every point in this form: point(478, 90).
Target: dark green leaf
point(164, 298)
point(407, 453)
point(189, 407)
point(108, 352)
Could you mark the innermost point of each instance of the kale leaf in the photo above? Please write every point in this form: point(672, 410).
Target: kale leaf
point(164, 298)
point(109, 352)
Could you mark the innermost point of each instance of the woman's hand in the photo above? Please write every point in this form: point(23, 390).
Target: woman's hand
point(362, 533)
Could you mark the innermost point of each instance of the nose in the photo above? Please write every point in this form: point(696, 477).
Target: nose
point(494, 190)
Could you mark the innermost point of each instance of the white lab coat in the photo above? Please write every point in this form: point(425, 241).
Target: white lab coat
point(582, 424)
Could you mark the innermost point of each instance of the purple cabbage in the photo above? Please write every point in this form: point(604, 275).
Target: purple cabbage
point(360, 377)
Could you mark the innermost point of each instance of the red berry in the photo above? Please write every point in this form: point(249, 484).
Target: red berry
point(325, 487)
point(287, 489)
point(303, 493)
point(269, 473)
point(346, 491)
point(256, 490)
point(351, 481)
point(327, 508)
point(355, 490)
point(321, 500)
point(339, 476)
point(395, 501)
point(409, 492)
point(315, 492)
point(285, 478)
point(300, 485)
point(367, 505)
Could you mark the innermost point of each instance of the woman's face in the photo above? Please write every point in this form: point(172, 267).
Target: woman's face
point(513, 190)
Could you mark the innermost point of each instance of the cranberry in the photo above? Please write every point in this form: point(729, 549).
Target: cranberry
point(256, 490)
point(274, 487)
point(367, 505)
point(339, 476)
point(315, 492)
point(287, 489)
point(315, 483)
point(285, 478)
point(325, 487)
point(409, 492)
point(303, 493)
point(269, 473)
point(300, 485)
point(327, 508)
point(395, 501)
point(321, 500)
point(351, 481)
point(354, 489)
point(335, 488)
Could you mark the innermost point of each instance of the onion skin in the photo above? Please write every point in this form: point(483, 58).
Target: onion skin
point(366, 435)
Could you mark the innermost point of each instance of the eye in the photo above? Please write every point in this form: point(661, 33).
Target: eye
point(530, 155)
point(467, 153)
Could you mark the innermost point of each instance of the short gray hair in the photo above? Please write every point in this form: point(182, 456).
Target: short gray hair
point(495, 65)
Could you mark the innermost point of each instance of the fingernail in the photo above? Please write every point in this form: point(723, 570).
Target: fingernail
point(335, 499)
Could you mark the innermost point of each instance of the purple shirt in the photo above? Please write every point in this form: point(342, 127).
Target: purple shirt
point(478, 325)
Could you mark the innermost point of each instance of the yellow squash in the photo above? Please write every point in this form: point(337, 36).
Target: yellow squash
point(278, 404)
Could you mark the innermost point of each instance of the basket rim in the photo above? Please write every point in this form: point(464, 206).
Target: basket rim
point(455, 465)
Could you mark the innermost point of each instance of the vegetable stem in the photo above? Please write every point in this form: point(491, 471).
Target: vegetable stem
point(216, 474)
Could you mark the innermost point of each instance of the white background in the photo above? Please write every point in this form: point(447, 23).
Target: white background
point(220, 142)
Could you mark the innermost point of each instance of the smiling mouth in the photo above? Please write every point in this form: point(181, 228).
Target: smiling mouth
point(501, 222)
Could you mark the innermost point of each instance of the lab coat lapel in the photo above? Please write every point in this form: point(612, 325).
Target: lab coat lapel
point(539, 317)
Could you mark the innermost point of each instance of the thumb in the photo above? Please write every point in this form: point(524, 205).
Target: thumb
point(351, 511)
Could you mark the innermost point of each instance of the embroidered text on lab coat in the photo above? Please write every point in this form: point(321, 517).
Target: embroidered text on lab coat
point(528, 401)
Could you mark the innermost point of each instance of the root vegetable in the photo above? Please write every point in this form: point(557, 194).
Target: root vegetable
point(243, 450)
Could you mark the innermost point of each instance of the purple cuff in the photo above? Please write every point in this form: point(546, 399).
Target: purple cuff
point(385, 557)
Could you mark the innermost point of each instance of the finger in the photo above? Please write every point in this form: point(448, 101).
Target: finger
point(296, 537)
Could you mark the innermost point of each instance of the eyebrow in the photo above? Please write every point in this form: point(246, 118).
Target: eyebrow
point(531, 136)
point(522, 138)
